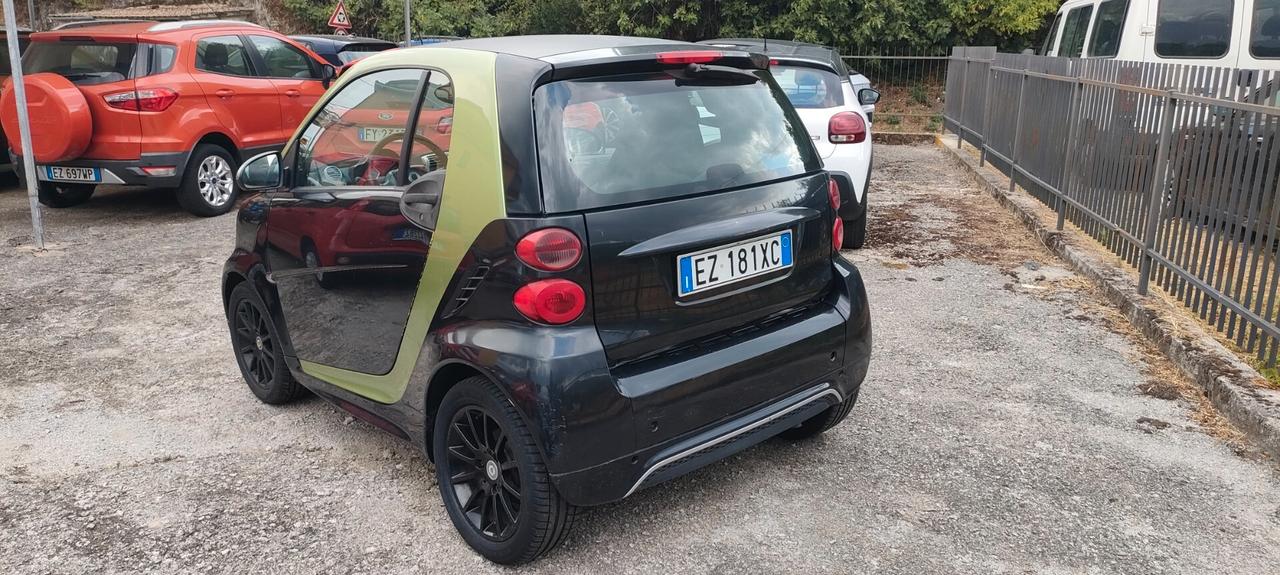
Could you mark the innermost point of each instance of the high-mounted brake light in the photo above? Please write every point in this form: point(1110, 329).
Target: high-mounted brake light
point(847, 128)
point(690, 57)
point(550, 249)
point(833, 194)
point(146, 100)
point(553, 301)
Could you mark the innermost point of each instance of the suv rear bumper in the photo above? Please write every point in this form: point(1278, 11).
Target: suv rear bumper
point(127, 172)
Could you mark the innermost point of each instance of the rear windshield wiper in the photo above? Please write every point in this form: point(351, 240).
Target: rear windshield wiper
point(704, 74)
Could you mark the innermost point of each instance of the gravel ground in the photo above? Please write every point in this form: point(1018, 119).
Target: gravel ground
point(1003, 427)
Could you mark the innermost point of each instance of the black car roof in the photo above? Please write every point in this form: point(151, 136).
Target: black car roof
point(786, 49)
point(543, 47)
point(341, 39)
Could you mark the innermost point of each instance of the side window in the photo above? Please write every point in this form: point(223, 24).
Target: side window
point(1107, 28)
point(222, 55)
point(430, 151)
point(1073, 32)
point(1193, 28)
point(1053, 36)
point(1264, 41)
point(356, 138)
point(283, 60)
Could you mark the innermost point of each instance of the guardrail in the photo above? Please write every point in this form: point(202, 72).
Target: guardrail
point(1171, 167)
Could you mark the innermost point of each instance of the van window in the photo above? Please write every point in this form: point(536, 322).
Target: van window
point(1264, 41)
point(1193, 28)
point(1073, 32)
point(1105, 40)
point(1053, 35)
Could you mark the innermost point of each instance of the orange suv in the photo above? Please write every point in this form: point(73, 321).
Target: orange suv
point(173, 104)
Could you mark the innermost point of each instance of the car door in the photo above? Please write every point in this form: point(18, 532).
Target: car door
point(247, 105)
point(347, 293)
point(295, 74)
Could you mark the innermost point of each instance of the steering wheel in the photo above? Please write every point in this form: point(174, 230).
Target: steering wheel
point(380, 147)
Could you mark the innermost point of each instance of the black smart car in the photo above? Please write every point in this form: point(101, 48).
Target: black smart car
point(557, 315)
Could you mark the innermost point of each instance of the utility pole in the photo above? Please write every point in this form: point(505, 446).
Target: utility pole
point(24, 123)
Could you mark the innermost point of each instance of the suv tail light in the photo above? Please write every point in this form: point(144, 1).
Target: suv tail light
point(550, 249)
point(689, 57)
point(837, 235)
point(147, 100)
point(553, 301)
point(833, 194)
point(847, 128)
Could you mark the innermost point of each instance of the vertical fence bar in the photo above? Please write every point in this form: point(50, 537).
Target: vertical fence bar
point(1073, 114)
point(1159, 181)
point(964, 79)
point(986, 114)
point(1017, 130)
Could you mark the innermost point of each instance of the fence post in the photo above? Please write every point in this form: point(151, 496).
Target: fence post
point(1073, 118)
point(1159, 182)
point(986, 113)
point(1017, 130)
point(964, 79)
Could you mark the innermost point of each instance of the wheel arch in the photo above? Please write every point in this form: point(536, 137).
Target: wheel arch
point(449, 373)
point(222, 141)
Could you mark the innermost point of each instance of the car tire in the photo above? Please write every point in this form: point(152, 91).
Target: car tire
point(311, 259)
point(257, 346)
point(484, 451)
point(819, 424)
point(855, 233)
point(57, 195)
point(209, 182)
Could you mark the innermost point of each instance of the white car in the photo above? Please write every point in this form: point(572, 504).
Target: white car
point(835, 111)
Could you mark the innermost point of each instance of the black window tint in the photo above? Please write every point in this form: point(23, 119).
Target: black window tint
point(1105, 40)
point(1074, 31)
point(83, 62)
point(222, 55)
point(1053, 35)
point(162, 58)
point(283, 60)
point(1264, 41)
point(1193, 28)
point(632, 138)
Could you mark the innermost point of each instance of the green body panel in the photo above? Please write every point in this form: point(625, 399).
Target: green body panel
point(472, 199)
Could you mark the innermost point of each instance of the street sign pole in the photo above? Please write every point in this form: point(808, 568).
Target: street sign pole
point(408, 35)
point(24, 124)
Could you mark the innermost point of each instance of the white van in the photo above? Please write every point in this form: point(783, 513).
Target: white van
point(1232, 33)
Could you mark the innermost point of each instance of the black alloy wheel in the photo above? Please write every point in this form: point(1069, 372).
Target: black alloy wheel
point(254, 344)
point(484, 475)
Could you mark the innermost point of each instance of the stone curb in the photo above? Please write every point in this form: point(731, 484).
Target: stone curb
point(1227, 380)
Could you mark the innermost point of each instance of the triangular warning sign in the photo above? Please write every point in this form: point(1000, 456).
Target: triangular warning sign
point(339, 18)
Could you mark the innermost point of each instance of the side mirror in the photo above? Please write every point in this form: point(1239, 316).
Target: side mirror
point(327, 74)
point(261, 172)
point(868, 97)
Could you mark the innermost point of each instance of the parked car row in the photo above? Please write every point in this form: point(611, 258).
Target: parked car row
point(631, 270)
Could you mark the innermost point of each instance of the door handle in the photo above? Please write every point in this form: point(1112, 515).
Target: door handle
point(292, 93)
point(225, 93)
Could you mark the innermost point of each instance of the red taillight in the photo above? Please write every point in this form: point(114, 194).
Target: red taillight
point(833, 194)
point(847, 128)
point(837, 235)
point(554, 301)
point(550, 249)
point(445, 125)
point(690, 57)
point(147, 100)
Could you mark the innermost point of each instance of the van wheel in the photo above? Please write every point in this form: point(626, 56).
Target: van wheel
point(494, 482)
point(819, 424)
point(209, 182)
point(57, 195)
point(256, 343)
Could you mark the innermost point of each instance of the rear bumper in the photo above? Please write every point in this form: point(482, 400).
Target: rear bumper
point(627, 471)
point(128, 172)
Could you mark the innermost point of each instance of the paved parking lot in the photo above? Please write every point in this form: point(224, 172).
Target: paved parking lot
point(1009, 424)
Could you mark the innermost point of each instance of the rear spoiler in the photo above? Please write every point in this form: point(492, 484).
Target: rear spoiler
point(640, 59)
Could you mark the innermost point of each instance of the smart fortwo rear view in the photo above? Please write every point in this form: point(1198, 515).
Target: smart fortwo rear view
point(581, 266)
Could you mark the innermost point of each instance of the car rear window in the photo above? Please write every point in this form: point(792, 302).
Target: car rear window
point(809, 87)
point(353, 52)
point(633, 138)
point(83, 62)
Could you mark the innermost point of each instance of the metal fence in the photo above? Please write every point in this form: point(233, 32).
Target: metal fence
point(910, 82)
point(1171, 167)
